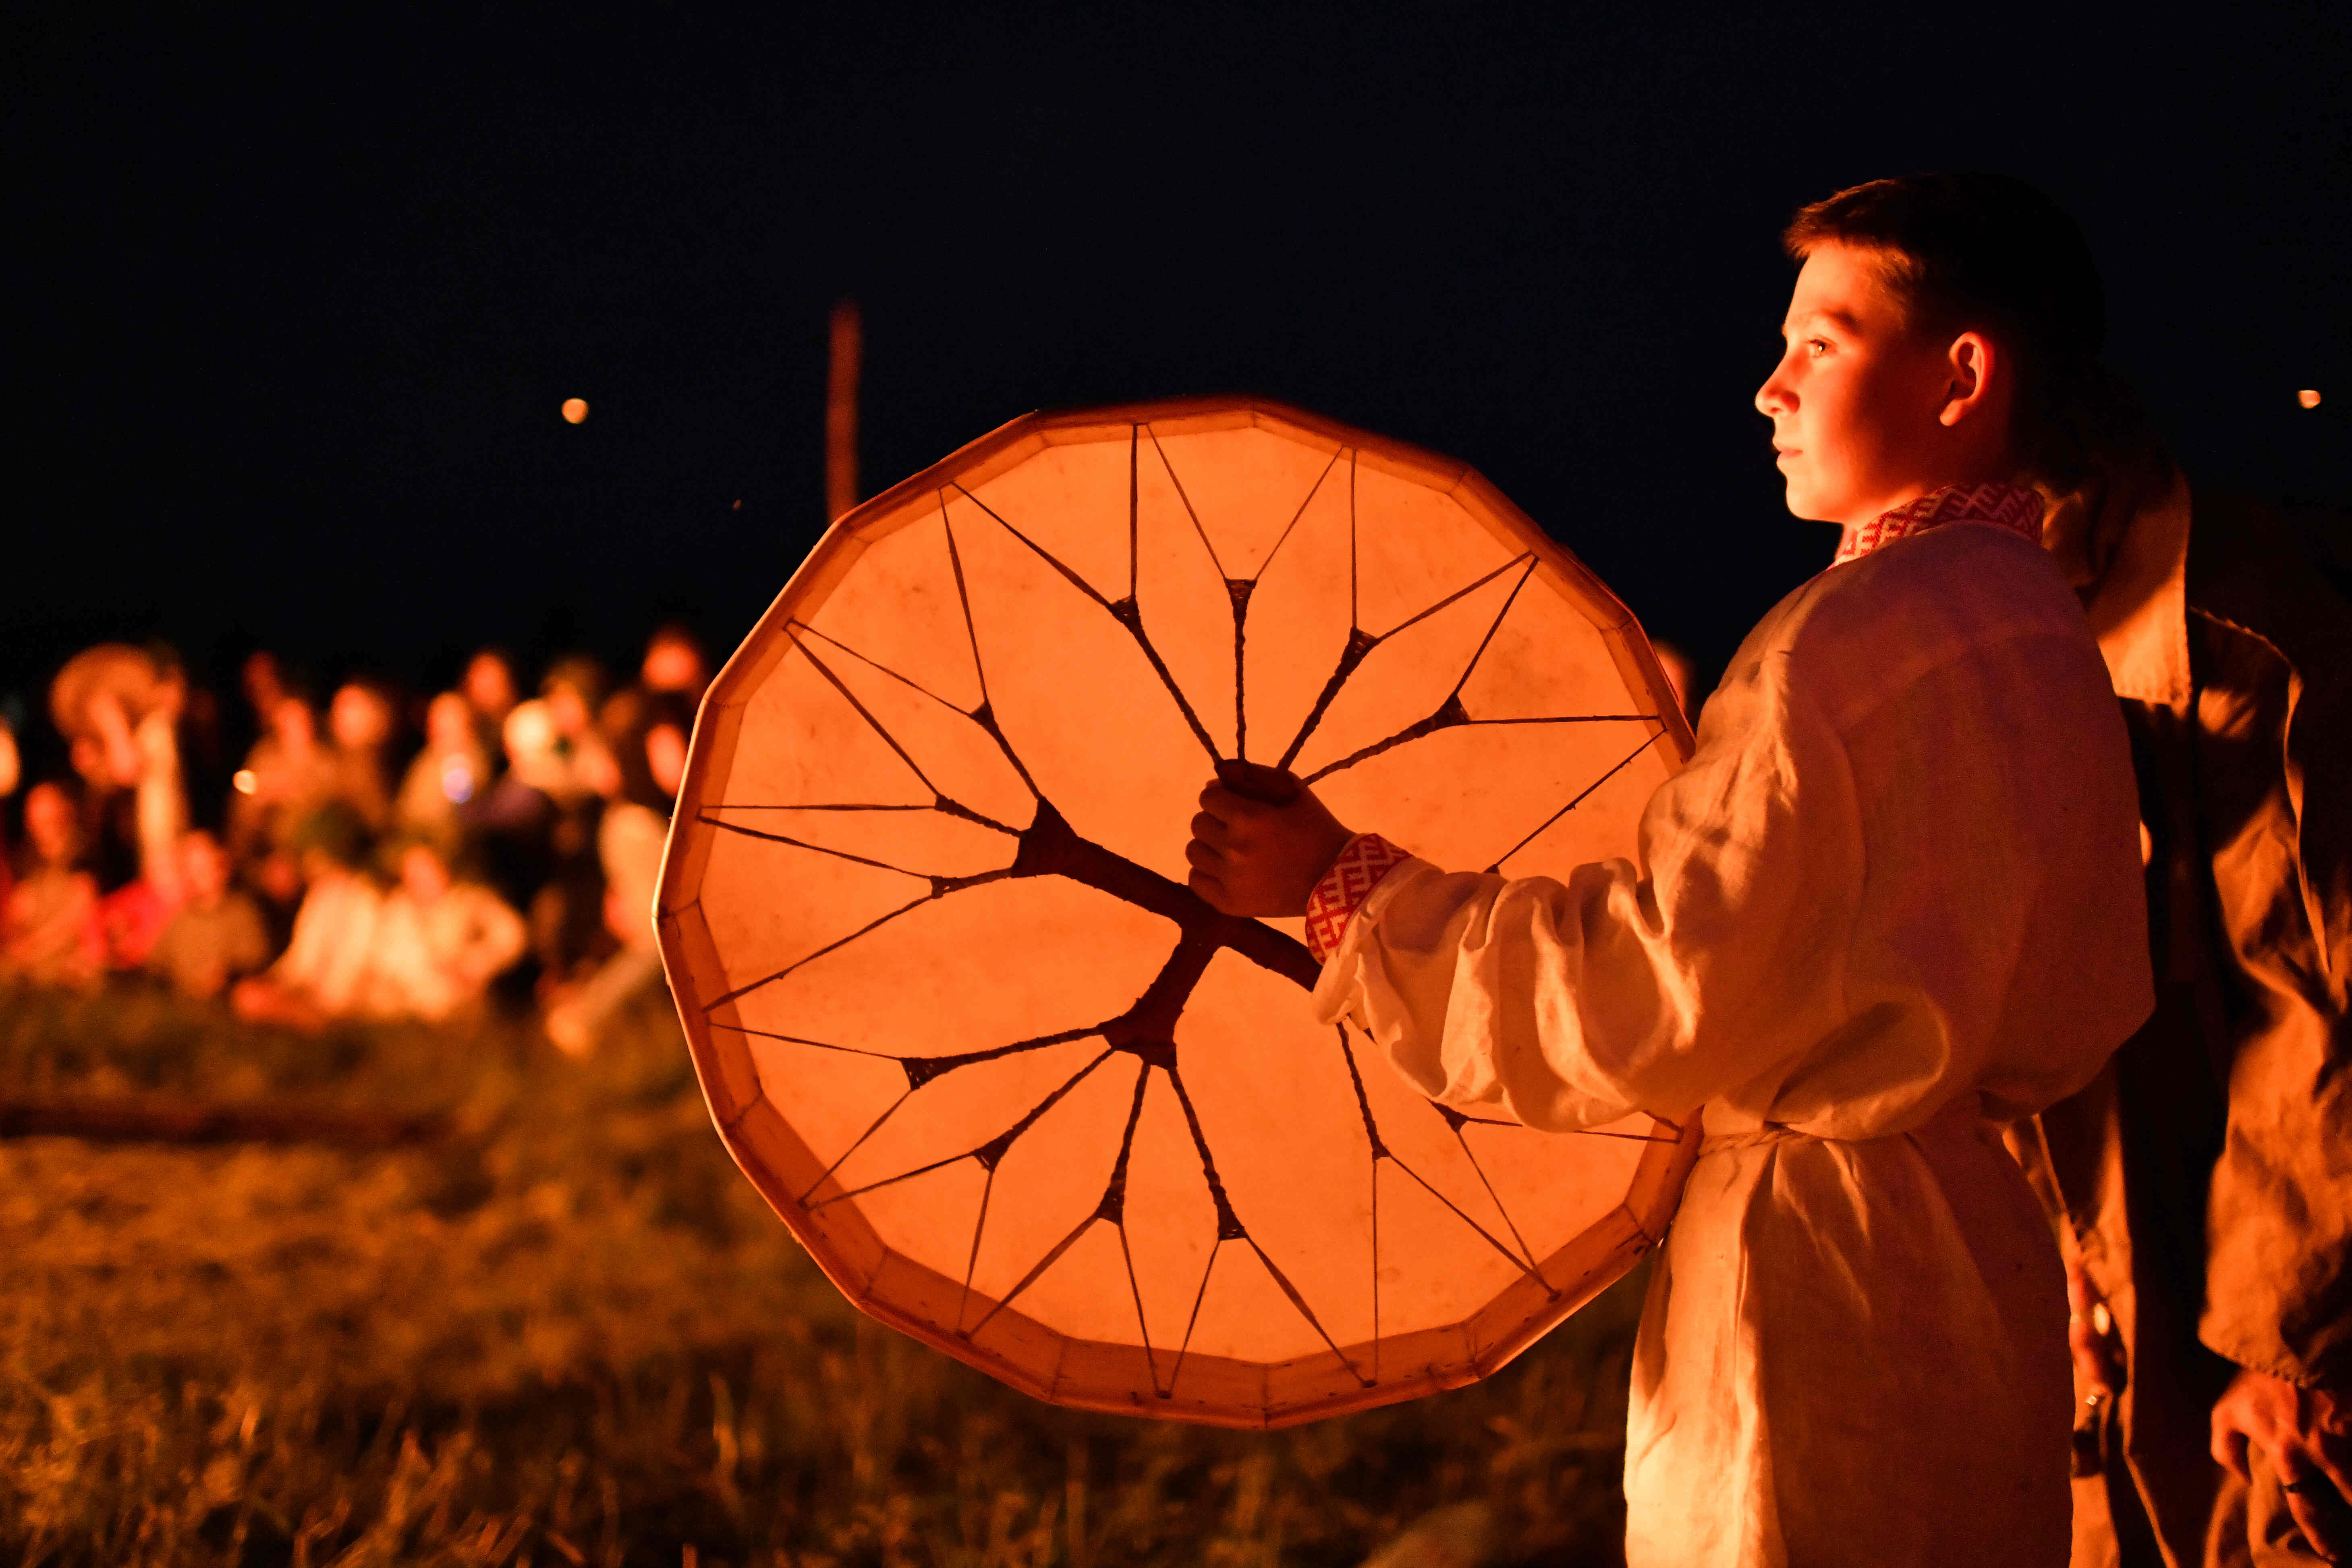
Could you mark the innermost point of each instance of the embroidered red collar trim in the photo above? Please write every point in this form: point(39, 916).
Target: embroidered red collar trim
point(2012, 507)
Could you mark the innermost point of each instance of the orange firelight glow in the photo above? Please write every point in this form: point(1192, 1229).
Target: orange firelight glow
point(2307, 397)
point(245, 782)
point(575, 409)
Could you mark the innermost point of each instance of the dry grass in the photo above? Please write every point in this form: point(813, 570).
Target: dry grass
point(573, 1335)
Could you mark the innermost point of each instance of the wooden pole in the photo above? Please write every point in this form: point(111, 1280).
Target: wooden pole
point(841, 411)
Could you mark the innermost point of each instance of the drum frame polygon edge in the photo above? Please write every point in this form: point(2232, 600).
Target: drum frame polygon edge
point(1013, 1348)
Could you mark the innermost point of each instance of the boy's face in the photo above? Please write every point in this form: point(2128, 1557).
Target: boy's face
point(1857, 400)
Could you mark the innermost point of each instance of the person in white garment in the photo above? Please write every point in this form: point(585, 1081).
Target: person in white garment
point(324, 970)
point(1893, 901)
point(439, 941)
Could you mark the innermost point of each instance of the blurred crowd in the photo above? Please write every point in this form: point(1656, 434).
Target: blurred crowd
point(371, 856)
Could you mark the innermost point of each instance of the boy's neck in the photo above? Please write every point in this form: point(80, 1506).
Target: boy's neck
point(1967, 474)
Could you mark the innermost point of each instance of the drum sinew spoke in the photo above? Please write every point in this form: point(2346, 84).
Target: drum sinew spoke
point(1622, 763)
point(1360, 643)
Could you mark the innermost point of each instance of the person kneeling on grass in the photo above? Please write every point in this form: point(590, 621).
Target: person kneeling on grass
point(1893, 901)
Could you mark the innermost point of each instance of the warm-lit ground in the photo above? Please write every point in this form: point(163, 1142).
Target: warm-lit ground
point(572, 1333)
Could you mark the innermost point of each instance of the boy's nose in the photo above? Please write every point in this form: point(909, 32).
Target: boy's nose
point(1774, 399)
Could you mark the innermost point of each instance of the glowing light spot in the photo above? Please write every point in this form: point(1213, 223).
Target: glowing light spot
point(575, 409)
point(457, 781)
point(245, 782)
point(2307, 397)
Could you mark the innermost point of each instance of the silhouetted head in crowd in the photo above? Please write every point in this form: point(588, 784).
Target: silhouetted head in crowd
point(52, 825)
point(449, 723)
point(644, 739)
point(667, 734)
point(294, 727)
point(360, 717)
point(263, 683)
point(424, 871)
point(674, 662)
point(88, 756)
point(574, 690)
point(534, 747)
point(203, 869)
point(489, 685)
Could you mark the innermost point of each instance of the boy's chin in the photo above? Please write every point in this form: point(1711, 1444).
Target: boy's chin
point(1807, 504)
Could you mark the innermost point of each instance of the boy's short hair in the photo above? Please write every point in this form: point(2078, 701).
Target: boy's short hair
point(1974, 250)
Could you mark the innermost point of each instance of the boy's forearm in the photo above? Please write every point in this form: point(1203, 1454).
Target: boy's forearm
point(1435, 967)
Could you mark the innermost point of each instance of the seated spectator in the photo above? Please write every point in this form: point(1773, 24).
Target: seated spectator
point(571, 695)
point(119, 709)
point(288, 777)
point(629, 840)
point(262, 681)
point(324, 968)
point(557, 746)
point(536, 758)
point(451, 769)
point(360, 724)
point(205, 765)
point(11, 769)
point(667, 732)
point(216, 934)
point(49, 933)
point(99, 696)
point(674, 663)
point(440, 942)
point(265, 685)
point(490, 689)
point(513, 822)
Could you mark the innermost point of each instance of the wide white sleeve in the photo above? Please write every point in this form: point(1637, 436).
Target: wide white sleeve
point(1570, 1004)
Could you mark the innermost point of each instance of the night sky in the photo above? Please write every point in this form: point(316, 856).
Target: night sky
point(294, 304)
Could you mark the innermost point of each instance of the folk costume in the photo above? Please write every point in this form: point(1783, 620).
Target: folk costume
point(2204, 1178)
point(1894, 900)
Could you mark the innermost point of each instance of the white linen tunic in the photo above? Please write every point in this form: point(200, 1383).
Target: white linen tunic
point(1894, 897)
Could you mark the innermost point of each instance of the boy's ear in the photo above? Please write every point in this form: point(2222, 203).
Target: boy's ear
point(1971, 362)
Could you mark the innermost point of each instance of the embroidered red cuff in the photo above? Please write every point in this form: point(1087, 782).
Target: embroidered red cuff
point(1344, 887)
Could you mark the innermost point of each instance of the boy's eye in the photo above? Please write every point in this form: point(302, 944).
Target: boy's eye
point(1817, 347)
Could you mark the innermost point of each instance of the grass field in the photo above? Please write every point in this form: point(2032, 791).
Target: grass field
point(571, 1333)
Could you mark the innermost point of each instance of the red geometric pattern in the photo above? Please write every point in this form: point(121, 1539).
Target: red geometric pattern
point(2012, 507)
point(1350, 880)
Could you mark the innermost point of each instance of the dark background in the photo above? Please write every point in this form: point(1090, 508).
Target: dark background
point(293, 303)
